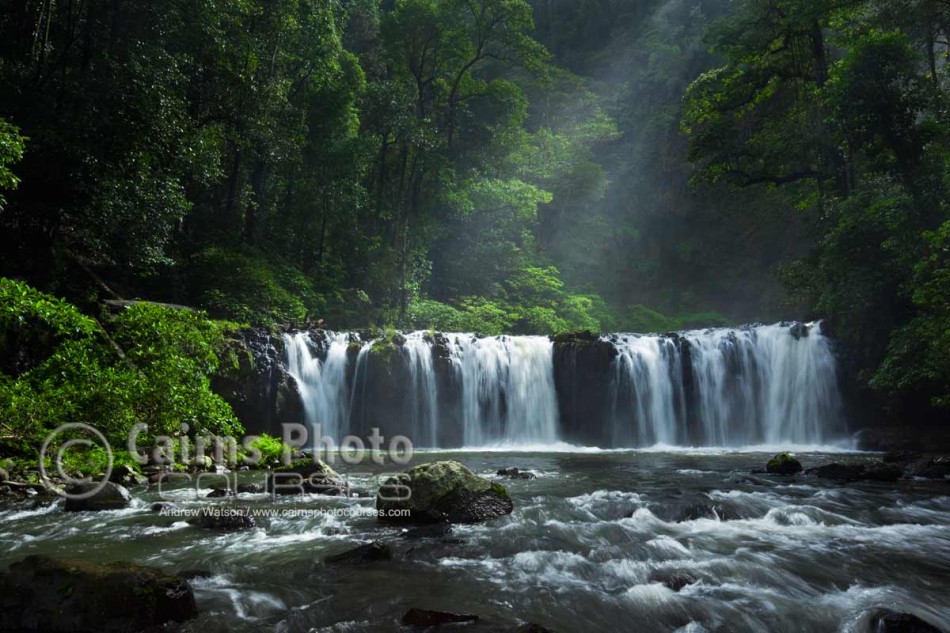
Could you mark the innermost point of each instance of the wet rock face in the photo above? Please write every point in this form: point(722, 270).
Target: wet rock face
point(443, 492)
point(254, 381)
point(110, 497)
point(382, 384)
point(46, 594)
point(583, 369)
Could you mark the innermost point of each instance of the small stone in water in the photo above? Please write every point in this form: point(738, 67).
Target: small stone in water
point(369, 553)
point(514, 473)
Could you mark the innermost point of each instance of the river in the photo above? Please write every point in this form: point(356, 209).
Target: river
point(599, 541)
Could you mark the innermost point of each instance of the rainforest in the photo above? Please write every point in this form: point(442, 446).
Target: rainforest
point(654, 297)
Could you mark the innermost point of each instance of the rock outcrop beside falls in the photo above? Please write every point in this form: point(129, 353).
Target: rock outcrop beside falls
point(583, 368)
point(255, 382)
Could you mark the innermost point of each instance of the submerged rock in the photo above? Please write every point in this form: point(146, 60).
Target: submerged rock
point(783, 464)
point(514, 473)
point(531, 628)
point(887, 621)
point(41, 593)
point(250, 488)
point(424, 618)
point(110, 497)
point(369, 553)
point(673, 580)
point(881, 472)
point(442, 492)
point(311, 476)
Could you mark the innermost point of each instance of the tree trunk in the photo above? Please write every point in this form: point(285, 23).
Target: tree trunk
point(250, 209)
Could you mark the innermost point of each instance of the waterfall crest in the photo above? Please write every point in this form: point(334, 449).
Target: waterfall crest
point(773, 384)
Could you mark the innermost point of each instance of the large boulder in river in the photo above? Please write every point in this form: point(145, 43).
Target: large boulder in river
point(86, 497)
point(46, 594)
point(847, 472)
point(311, 476)
point(783, 464)
point(442, 492)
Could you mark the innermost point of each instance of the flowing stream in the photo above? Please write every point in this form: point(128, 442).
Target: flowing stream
point(652, 541)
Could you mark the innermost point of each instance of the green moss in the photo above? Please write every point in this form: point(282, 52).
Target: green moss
point(500, 490)
point(432, 482)
point(783, 464)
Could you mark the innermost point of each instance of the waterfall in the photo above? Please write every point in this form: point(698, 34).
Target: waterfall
point(755, 385)
point(765, 384)
point(647, 377)
point(321, 380)
point(422, 399)
point(507, 389)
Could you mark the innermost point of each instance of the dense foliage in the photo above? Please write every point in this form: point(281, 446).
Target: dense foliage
point(147, 364)
point(843, 109)
point(318, 159)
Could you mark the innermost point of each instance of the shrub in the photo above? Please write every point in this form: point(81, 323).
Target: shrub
point(152, 365)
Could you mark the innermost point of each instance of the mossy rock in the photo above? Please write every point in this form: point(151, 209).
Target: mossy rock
point(41, 593)
point(783, 464)
point(313, 476)
point(442, 492)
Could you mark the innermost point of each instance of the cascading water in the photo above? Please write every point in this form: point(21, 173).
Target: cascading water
point(766, 384)
point(647, 379)
point(321, 380)
point(422, 399)
point(507, 389)
point(724, 387)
